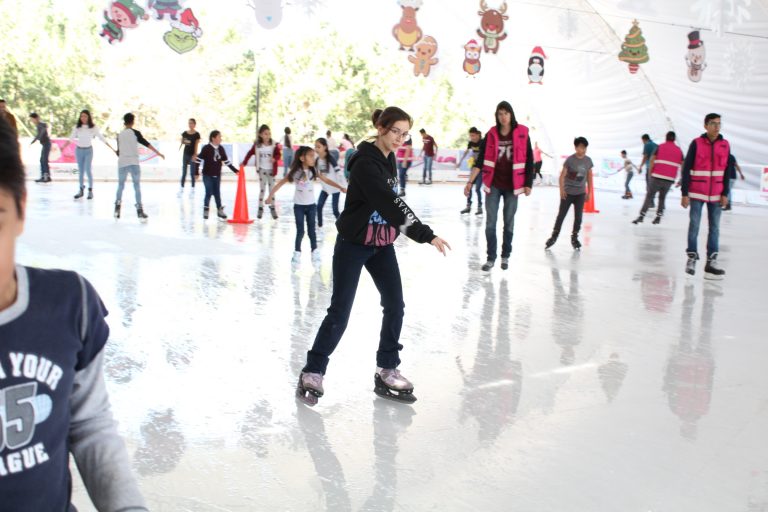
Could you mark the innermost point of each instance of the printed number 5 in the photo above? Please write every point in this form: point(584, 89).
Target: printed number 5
point(17, 420)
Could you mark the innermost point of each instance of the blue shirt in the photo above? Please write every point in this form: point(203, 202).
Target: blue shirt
point(649, 149)
point(55, 329)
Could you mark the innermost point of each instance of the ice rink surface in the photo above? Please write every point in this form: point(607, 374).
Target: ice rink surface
point(600, 380)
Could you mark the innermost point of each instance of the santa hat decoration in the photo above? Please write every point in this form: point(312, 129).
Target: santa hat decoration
point(472, 46)
point(538, 52)
point(130, 8)
point(694, 41)
point(188, 23)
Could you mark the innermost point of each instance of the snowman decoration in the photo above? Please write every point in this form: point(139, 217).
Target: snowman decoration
point(536, 66)
point(696, 59)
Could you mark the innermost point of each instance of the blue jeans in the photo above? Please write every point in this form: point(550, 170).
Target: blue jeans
point(492, 202)
point(478, 185)
point(287, 160)
point(84, 158)
point(428, 168)
point(44, 153)
point(187, 161)
point(348, 262)
point(321, 202)
point(212, 188)
point(402, 171)
point(731, 183)
point(308, 211)
point(713, 238)
point(122, 175)
point(630, 175)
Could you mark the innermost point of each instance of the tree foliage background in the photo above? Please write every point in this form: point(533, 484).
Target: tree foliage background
point(56, 64)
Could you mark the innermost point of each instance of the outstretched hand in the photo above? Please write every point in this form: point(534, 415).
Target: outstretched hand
point(440, 244)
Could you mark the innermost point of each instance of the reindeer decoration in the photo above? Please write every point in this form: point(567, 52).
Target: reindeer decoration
point(492, 26)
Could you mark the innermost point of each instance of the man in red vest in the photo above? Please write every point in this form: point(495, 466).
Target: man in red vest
point(665, 164)
point(704, 182)
point(506, 160)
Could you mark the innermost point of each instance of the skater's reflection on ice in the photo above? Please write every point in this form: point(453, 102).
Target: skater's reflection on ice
point(611, 375)
point(492, 390)
point(567, 310)
point(690, 371)
point(162, 444)
point(326, 463)
point(128, 276)
point(390, 423)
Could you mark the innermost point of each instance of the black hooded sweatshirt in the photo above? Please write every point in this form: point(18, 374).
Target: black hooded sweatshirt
point(373, 214)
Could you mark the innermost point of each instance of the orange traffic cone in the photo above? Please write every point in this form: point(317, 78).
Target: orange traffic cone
point(240, 215)
point(589, 206)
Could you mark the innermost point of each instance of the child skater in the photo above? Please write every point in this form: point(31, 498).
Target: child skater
point(473, 149)
point(303, 174)
point(327, 164)
point(576, 173)
point(628, 166)
point(211, 157)
point(372, 218)
point(53, 397)
point(267, 155)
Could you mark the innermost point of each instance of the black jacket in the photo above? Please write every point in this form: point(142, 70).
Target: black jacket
point(373, 214)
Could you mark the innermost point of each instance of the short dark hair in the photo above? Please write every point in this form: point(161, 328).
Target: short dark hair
point(34, 115)
point(710, 117)
point(129, 118)
point(671, 136)
point(214, 133)
point(645, 136)
point(2, 100)
point(422, 130)
point(193, 120)
point(474, 130)
point(11, 169)
point(580, 141)
point(623, 151)
point(328, 133)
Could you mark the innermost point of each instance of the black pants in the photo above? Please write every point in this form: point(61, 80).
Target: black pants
point(45, 170)
point(578, 209)
point(537, 168)
point(348, 262)
point(662, 187)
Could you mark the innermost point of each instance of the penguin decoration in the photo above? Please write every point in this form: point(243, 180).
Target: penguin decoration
point(536, 66)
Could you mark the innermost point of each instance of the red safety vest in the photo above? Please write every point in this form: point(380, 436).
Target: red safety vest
point(709, 169)
point(519, 155)
point(669, 157)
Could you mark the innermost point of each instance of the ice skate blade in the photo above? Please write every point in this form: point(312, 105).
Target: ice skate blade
point(403, 398)
point(306, 398)
point(713, 277)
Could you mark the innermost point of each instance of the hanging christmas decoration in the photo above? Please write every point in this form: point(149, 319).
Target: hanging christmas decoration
point(472, 57)
point(492, 26)
point(163, 8)
point(407, 31)
point(269, 13)
point(424, 58)
point(536, 66)
point(184, 33)
point(696, 59)
point(633, 50)
point(121, 15)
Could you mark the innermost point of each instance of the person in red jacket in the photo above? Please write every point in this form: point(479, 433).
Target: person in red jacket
point(506, 161)
point(704, 183)
point(665, 164)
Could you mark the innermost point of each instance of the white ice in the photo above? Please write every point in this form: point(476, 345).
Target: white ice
point(600, 380)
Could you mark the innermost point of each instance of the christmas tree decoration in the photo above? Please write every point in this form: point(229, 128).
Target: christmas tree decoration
point(121, 14)
point(696, 59)
point(536, 66)
point(492, 26)
point(423, 60)
point(633, 50)
point(407, 31)
point(269, 13)
point(471, 63)
point(184, 33)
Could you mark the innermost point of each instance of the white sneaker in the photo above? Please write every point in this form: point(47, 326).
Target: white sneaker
point(316, 256)
point(296, 258)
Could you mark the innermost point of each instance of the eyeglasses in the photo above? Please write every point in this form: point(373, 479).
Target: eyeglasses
point(398, 133)
point(714, 123)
